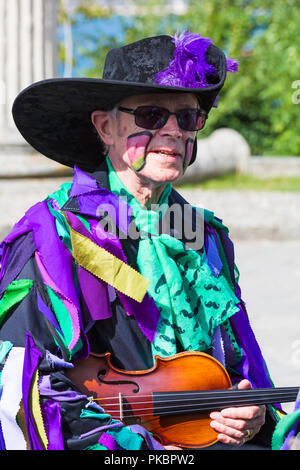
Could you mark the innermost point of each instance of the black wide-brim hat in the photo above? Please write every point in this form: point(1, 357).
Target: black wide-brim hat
point(54, 115)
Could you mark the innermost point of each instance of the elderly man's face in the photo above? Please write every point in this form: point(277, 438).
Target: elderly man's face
point(165, 149)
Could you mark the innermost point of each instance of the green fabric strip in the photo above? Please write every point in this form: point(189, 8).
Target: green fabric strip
point(62, 316)
point(61, 226)
point(61, 195)
point(282, 429)
point(93, 414)
point(125, 438)
point(96, 447)
point(5, 347)
point(209, 216)
point(14, 293)
point(238, 354)
point(225, 268)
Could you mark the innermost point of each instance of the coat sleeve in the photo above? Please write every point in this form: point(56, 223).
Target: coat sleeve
point(40, 408)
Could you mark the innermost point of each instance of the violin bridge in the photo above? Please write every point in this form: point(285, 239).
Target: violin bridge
point(121, 406)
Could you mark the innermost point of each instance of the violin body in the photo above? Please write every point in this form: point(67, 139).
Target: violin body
point(128, 395)
point(173, 399)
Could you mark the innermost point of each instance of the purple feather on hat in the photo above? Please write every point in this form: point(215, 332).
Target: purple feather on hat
point(190, 68)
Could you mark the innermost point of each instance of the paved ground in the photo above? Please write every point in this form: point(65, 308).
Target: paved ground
point(271, 290)
point(266, 231)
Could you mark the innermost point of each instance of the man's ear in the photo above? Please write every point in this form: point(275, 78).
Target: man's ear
point(103, 124)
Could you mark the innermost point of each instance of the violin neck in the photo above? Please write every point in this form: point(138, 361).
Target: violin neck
point(208, 400)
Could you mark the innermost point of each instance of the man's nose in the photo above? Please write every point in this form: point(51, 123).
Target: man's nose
point(171, 127)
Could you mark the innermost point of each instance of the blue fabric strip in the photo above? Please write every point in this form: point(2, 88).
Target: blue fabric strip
point(48, 313)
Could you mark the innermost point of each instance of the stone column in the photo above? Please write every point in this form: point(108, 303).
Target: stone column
point(28, 53)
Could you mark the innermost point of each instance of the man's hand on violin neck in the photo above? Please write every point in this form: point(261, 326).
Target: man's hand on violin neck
point(240, 424)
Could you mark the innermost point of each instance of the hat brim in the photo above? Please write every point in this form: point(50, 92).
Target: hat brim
point(54, 115)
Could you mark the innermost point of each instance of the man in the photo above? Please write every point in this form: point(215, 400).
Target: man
point(93, 268)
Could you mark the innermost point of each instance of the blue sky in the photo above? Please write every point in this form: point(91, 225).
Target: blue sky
point(86, 34)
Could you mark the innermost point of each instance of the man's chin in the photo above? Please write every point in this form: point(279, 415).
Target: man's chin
point(164, 175)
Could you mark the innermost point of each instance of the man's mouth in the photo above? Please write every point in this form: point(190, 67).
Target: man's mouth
point(166, 152)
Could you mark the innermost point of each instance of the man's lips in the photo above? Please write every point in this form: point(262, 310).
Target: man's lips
point(168, 152)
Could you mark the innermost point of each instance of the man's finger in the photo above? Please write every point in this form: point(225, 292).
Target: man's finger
point(244, 412)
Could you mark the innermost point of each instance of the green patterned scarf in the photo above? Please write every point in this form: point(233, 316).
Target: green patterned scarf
point(191, 300)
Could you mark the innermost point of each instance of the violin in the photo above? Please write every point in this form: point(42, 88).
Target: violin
point(173, 399)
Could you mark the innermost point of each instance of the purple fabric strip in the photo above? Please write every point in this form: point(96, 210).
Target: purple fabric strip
point(108, 241)
point(17, 257)
point(101, 428)
point(95, 294)
point(108, 441)
point(287, 443)
point(93, 200)
point(82, 182)
point(54, 254)
point(52, 417)
point(73, 312)
point(48, 313)
point(67, 395)
point(2, 442)
point(59, 262)
point(31, 363)
point(252, 366)
point(20, 228)
point(3, 259)
point(112, 245)
point(102, 200)
point(146, 313)
point(152, 443)
point(57, 362)
point(228, 348)
point(213, 259)
point(216, 342)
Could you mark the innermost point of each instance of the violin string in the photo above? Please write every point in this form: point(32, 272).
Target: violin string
point(191, 407)
point(165, 413)
point(227, 395)
point(207, 393)
point(212, 401)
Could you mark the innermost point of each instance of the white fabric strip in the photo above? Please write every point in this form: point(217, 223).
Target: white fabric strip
point(11, 381)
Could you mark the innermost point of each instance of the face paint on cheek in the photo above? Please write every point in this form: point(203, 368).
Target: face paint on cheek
point(137, 145)
point(189, 147)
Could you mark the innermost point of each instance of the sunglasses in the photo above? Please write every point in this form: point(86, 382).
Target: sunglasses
point(155, 117)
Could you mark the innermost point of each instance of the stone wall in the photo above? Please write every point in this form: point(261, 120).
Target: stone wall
point(28, 53)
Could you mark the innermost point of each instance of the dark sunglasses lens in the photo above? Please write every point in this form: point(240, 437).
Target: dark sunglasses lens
point(190, 119)
point(150, 117)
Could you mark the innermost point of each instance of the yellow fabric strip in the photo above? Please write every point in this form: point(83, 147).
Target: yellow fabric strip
point(36, 410)
point(108, 267)
point(22, 423)
point(280, 413)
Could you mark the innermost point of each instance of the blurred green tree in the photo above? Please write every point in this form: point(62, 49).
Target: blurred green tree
point(261, 101)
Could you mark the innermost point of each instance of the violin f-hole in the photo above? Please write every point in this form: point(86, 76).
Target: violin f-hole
point(102, 373)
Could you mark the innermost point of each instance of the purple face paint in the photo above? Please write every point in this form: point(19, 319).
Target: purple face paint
point(189, 147)
point(137, 145)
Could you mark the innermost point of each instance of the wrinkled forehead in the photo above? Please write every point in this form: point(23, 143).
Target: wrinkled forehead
point(168, 100)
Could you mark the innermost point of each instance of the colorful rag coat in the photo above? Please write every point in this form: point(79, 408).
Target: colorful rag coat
point(65, 291)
